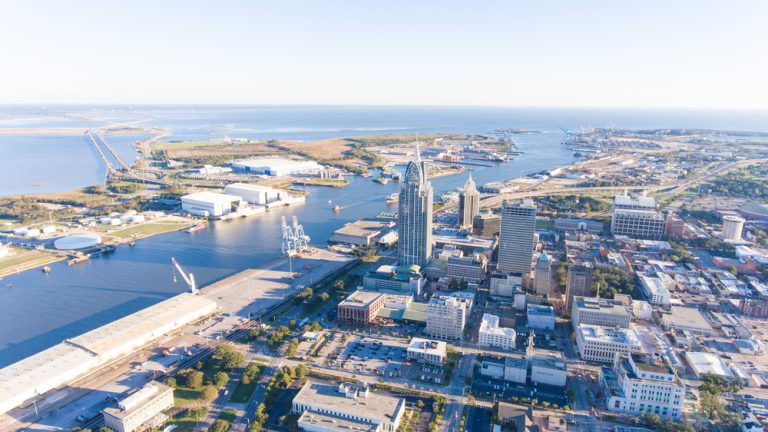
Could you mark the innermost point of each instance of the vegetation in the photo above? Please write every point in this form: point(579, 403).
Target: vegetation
point(612, 281)
point(293, 345)
point(228, 357)
point(749, 183)
point(574, 204)
point(186, 420)
point(705, 216)
point(27, 210)
point(277, 337)
point(654, 422)
point(247, 384)
point(709, 399)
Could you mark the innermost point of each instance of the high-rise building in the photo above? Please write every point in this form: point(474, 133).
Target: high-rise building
point(486, 225)
point(469, 203)
point(447, 316)
point(542, 276)
point(518, 224)
point(732, 227)
point(579, 283)
point(637, 218)
point(414, 223)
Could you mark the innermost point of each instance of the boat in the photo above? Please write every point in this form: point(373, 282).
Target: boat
point(196, 227)
point(132, 244)
point(336, 209)
point(382, 180)
point(393, 197)
point(78, 259)
point(46, 269)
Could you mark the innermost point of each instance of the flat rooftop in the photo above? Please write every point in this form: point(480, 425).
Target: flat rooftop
point(609, 334)
point(377, 406)
point(428, 346)
point(688, 317)
point(336, 423)
point(146, 395)
point(601, 305)
point(364, 227)
point(210, 197)
point(540, 310)
point(361, 298)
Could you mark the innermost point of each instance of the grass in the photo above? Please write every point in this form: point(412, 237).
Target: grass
point(228, 416)
point(185, 421)
point(243, 392)
point(148, 229)
point(185, 396)
point(25, 260)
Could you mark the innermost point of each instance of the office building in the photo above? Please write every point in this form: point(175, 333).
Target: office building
point(447, 316)
point(492, 335)
point(469, 268)
point(405, 279)
point(504, 286)
point(486, 225)
point(414, 220)
point(654, 290)
point(637, 218)
point(686, 319)
point(542, 276)
point(600, 344)
point(579, 283)
point(548, 368)
point(577, 225)
point(732, 227)
point(360, 307)
point(141, 410)
point(326, 407)
point(427, 351)
point(541, 317)
point(469, 204)
point(639, 384)
point(602, 312)
point(516, 238)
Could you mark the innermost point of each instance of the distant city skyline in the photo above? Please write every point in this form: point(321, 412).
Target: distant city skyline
point(556, 54)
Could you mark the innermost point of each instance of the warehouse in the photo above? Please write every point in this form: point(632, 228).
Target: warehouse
point(210, 204)
point(363, 232)
point(277, 167)
point(76, 357)
point(254, 194)
point(707, 363)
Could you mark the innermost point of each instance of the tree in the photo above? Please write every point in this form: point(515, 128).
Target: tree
point(170, 382)
point(339, 285)
point(419, 404)
point(220, 378)
point(194, 379)
point(210, 393)
point(650, 420)
point(710, 405)
point(301, 371)
point(220, 426)
point(324, 297)
point(229, 358)
point(252, 371)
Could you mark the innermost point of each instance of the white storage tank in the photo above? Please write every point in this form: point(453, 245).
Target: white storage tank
point(33, 233)
point(78, 241)
point(137, 218)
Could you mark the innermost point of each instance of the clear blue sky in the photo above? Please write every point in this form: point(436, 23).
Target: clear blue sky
point(523, 53)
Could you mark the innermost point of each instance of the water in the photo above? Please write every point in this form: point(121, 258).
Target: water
point(40, 311)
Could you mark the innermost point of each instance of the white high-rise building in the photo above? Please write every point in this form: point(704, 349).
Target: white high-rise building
point(641, 384)
point(492, 335)
point(516, 237)
point(446, 317)
point(469, 203)
point(732, 227)
point(414, 223)
point(637, 218)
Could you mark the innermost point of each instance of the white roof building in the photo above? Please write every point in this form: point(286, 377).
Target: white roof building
point(210, 204)
point(491, 335)
point(707, 363)
point(655, 290)
point(254, 194)
point(277, 167)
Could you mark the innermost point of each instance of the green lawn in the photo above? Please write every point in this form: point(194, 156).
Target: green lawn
point(185, 396)
point(148, 229)
point(243, 392)
point(185, 421)
point(228, 416)
point(24, 260)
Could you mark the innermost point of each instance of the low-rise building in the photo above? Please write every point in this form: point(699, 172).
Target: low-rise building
point(363, 232)
point(492, 335)
point(579, 225)
point(328, 408)
point(602, 312)
point(141, 409)
point(548, 368)
point(360, 307)
point(210, 204)
point(541, 317)
point(406, 279)
point(686, 319)
point(504, 286)
point(654, 289)
point(703, 363)
point(596, 343)
point(427, 351)
point(643, 384)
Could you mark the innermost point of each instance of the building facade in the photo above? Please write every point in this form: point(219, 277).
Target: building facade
point(542, 276)
point(578, 284)
point(602, 312)
point(360, 307)
point(516, 237)
point(135, 411)
point(427, 351)
point(492, 335)
point(600, 344)
point(446, 317)
point(486, 225)
point(541, 317)
point(504, 286)
point(644, 384)
point(414, 221)
point(469, 204)
point(732, 227)
point(469, 268)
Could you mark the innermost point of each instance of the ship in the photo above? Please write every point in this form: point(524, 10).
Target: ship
point(337, 209)
point(78, 259)
point(391, 198)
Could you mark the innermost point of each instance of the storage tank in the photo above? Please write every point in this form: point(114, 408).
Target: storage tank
point(78, 241)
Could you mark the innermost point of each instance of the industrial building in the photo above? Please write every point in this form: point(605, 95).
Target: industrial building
point(326, 407)
point(278, 167)
point(254, 194)
point(493, 335)
point(363, 232)
point(600, 344)
point(427, 351)
point(141, 410)
point(76, 357)
point(602, 312)
point(640, 384)
point(210, 204)
point(360, 307)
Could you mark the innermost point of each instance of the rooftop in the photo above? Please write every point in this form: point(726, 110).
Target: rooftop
point(331, 422)
point(602, 305)
point(379, 407)
point(688, 317)
point(540, 310)
point(703, 363)
point(136, 401)
point(364, 227)
point(361, 298)
point(211, 197)
point(428, 346)
point(609, 334)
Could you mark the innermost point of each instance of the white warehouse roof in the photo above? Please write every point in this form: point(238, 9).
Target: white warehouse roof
point(707, 363)
point(210, 198)
point(78, 356)
point(78, 241)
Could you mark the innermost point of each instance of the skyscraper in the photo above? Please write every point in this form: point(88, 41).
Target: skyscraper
point(469, 203)
point(542, 277)
point(414, 222)
point(518, 223)
point(579, 283)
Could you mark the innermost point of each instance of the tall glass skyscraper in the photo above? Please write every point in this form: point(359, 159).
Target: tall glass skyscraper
point(518, 224)
point(414, 222)
point(469, 203)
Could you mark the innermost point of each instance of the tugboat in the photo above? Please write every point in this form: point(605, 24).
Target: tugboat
point(393, 198)
point(46, 269)
point(336, 209)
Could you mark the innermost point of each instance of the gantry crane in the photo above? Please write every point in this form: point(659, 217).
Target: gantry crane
point(188, 278)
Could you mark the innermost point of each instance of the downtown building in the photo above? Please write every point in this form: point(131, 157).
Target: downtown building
point(493, 335)
point(447, 317)
point(579, 283)
point(516, 237)
point(639, 384)
point(542, 275)
point(602, 312)
point(637, 218)
point(469, 204)
point(486, 225)
point(414, 223)
point(601, 344)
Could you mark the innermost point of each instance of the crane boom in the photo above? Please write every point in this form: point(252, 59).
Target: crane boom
point(188, 278)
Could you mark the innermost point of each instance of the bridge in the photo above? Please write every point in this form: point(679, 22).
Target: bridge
point(125, 172)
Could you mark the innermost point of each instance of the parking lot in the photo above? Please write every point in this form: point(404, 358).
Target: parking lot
point(382, 357)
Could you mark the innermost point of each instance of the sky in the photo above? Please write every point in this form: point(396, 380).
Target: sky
point(682, 53)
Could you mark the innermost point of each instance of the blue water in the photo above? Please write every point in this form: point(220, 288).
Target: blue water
point(40, 311)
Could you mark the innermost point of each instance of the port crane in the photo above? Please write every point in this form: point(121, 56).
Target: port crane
point(288, 244)
point(300, 240)
point(188, 278)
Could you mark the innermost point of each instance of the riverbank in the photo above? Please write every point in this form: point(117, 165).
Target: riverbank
point(22, 260)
